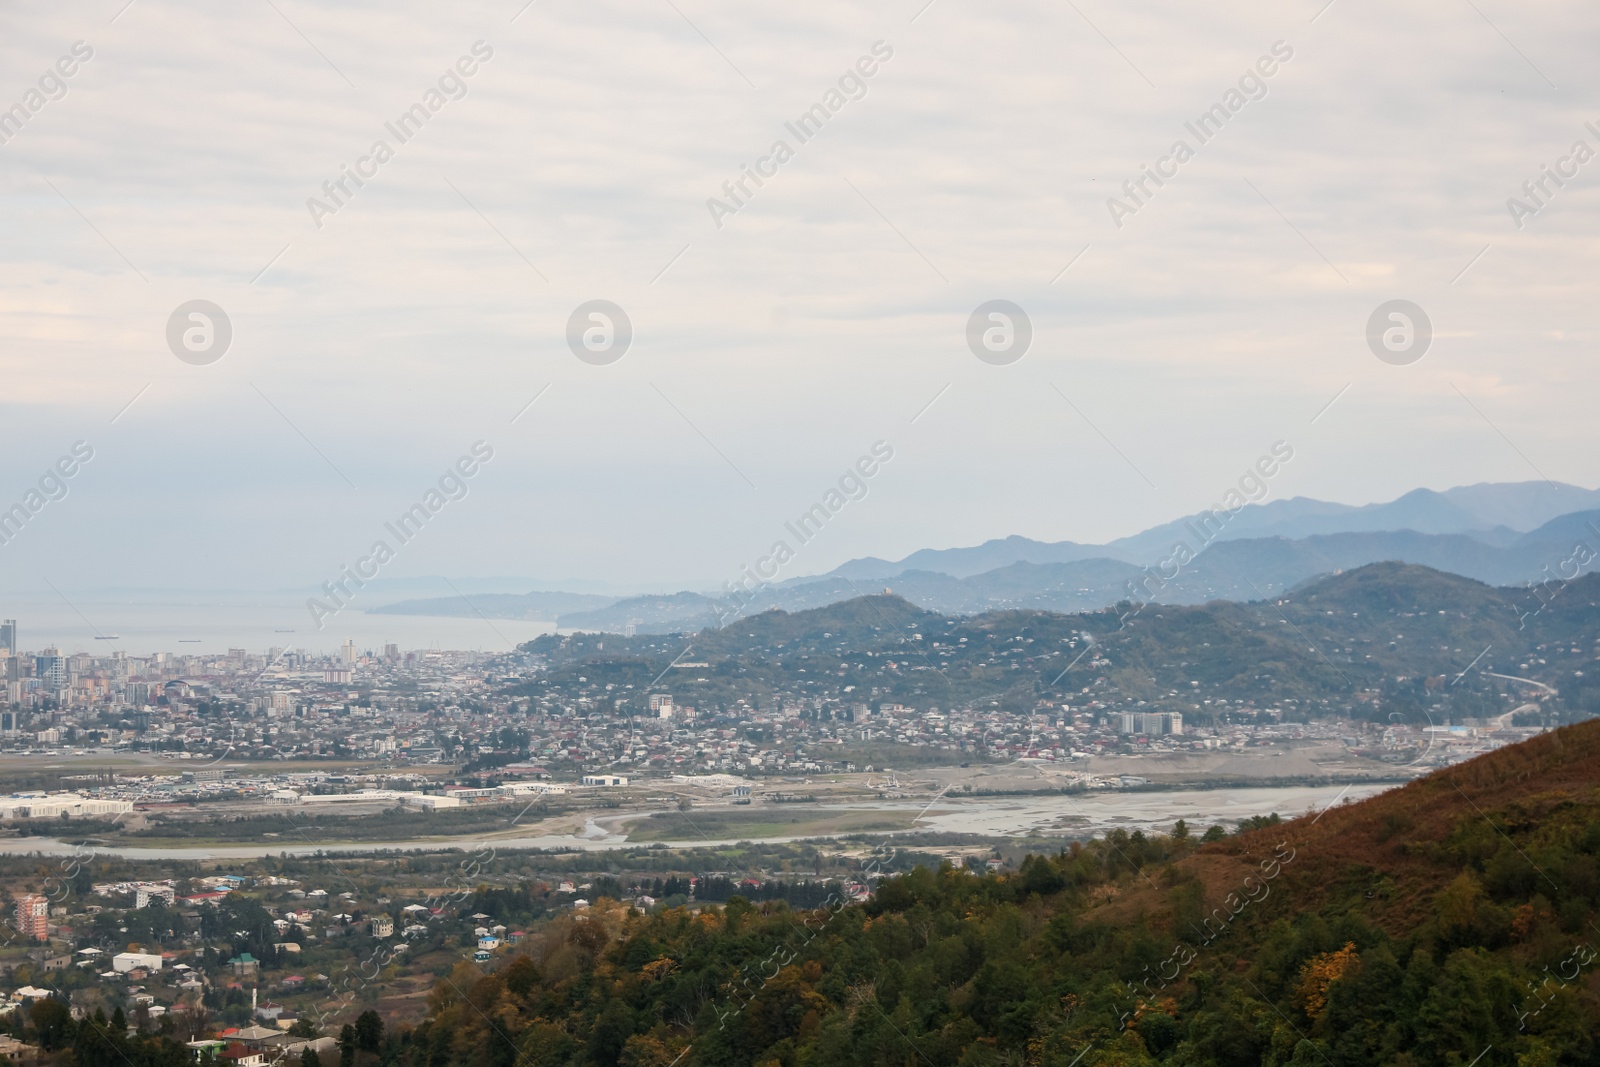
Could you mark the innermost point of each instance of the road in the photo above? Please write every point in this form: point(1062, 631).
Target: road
point(1503, 722)
point(1525, 681)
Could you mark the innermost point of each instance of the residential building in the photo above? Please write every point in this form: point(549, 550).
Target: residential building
point(33, 917)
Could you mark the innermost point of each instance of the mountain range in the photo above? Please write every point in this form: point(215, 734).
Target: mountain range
point(1503, 534)
point(1388, 641)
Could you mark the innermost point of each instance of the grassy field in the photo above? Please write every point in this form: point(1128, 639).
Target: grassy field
point(762, 823)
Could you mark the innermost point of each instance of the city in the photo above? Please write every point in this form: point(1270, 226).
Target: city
point(167, 743)
point(701, 534)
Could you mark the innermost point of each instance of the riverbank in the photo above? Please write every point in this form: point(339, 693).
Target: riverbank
point(1011, 817)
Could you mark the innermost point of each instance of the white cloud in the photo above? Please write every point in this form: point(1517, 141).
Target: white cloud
point(816, 320)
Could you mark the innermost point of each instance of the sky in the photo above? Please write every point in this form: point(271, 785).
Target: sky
point(383, 333)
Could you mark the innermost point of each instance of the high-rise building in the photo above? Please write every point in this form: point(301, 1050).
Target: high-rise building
point(33, 917)
point(51, 669)
point(348, 652)
point(1150, 723)
point(8, 636)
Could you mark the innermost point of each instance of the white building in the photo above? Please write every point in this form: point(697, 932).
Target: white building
point(368, 795)
point(124, 962)
point(145, 892)
point(517, 789)
point(604, 780)
point(430, 801)
point(55, 805)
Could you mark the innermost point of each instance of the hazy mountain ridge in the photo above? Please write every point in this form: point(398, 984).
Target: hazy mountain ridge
point(1476, 509)
point(1500, 534)
point(1242, 569)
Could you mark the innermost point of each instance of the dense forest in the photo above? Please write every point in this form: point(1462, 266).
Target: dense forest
point(1452, 921)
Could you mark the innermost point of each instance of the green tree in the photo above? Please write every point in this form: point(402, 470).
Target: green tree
point(52, 1022)
point(369, 1031)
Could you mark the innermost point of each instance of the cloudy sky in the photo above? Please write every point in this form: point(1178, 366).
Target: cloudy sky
point(373, 345)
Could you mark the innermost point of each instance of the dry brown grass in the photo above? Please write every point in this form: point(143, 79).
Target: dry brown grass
point(1377, 840)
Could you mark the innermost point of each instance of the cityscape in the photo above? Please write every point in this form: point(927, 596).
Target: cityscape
point(432, 730)
point(700, 534)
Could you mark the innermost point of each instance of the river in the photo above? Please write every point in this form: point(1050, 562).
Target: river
point(1087, 814)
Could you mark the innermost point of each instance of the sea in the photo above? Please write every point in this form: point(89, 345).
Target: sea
point(102, 624)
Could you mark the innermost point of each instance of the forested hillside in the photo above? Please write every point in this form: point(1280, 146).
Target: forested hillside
point(1452, 921)
point(1388, 642)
